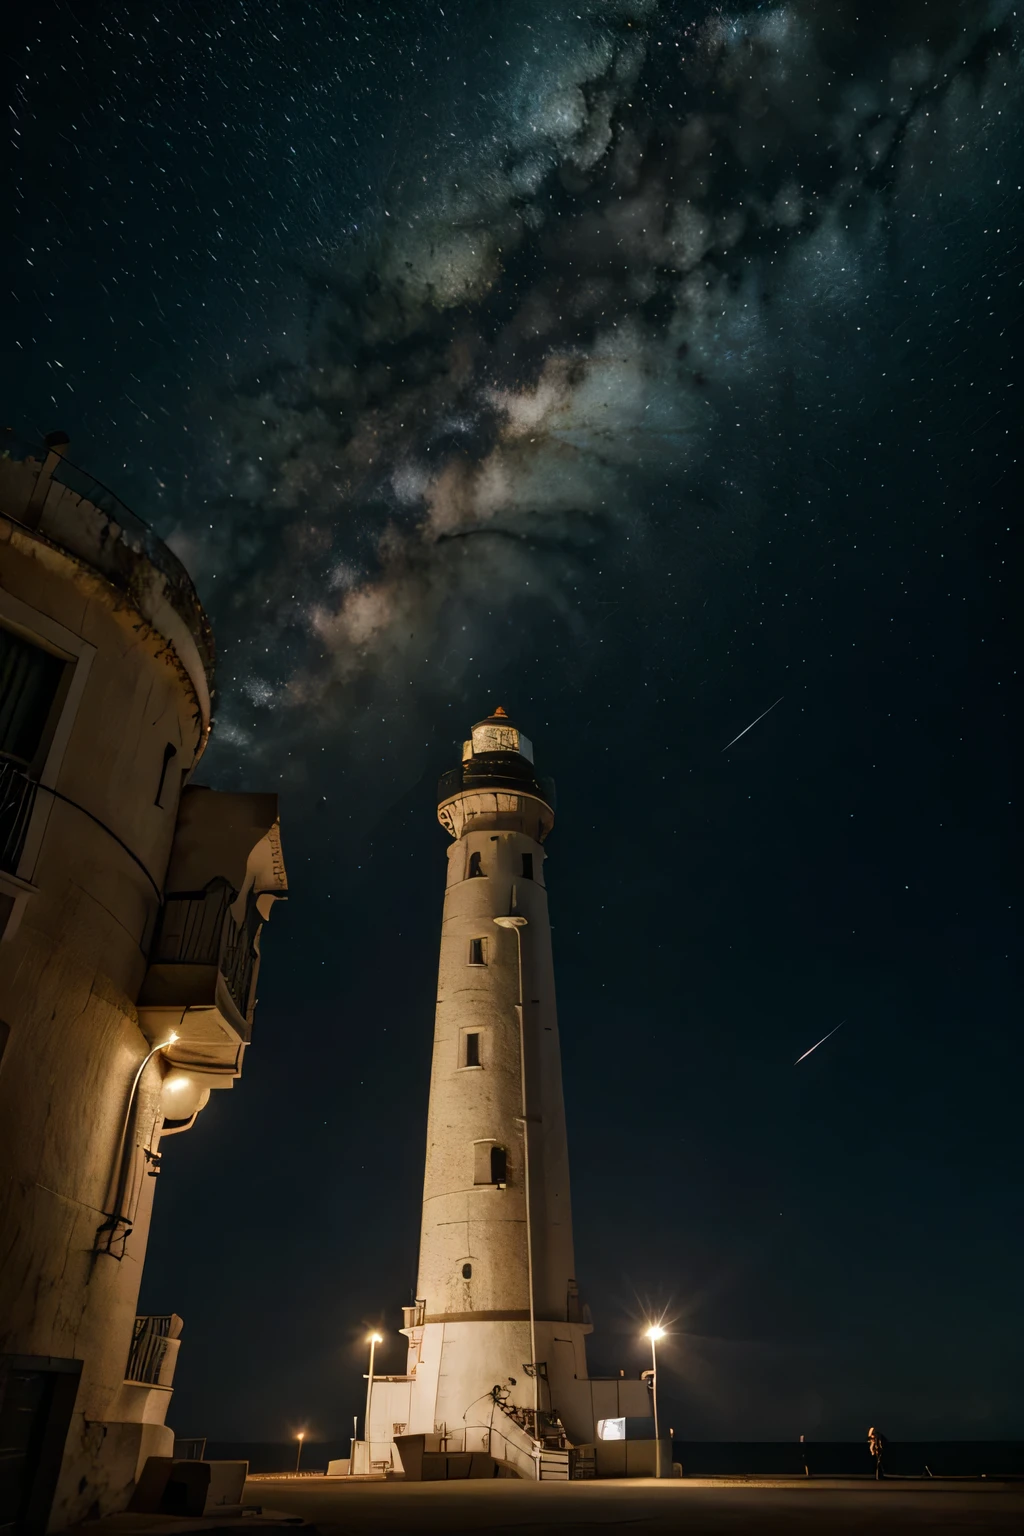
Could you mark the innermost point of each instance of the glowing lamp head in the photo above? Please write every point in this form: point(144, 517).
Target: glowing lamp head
point(172, 1038)
point(375, 1338)
point(655, 1332)
point(301, 1435)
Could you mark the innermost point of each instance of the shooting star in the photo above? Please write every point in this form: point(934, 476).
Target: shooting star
point(820, 1042)
point(750, 727)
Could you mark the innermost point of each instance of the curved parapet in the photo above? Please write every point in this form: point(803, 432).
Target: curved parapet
point(59, 508)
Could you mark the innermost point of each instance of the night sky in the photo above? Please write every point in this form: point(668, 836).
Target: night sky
point(634, 366)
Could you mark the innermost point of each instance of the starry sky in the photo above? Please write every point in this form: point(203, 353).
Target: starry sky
point(635, 365)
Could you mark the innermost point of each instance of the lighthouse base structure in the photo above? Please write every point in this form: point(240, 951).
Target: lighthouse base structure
point(457, 1364)
point(444, 1418)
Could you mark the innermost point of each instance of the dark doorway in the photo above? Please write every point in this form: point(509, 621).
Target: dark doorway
point(37, 1395)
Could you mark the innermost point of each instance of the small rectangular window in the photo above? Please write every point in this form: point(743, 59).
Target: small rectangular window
point(476, 952)
point(527, 866)
point(472, 1051)
point(499, 1165)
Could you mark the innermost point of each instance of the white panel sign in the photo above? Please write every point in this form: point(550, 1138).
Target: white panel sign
point(611, 1429)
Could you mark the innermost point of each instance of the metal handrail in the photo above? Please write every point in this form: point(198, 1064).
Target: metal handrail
point(191, 930)
point(239, 956)
point(199, 928)
point(151, 1337)
point(17, 799)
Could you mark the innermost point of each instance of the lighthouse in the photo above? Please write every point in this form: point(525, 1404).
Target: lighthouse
point(496, 1358)
point(497, 1282)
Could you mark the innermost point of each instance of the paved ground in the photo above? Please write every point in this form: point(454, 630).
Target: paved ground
point(690, 1507)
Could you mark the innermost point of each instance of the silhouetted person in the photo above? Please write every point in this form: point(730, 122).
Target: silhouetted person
point(876, 1445)
point(804, 1457)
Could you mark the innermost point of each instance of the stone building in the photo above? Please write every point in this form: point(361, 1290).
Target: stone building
point(131, 902)
point(497, 1362)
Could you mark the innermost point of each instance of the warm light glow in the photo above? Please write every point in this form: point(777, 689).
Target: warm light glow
point(172, 1037)
point(176, 1084)
point(655, 1332)
point(375, 1338)
point(301, 1435)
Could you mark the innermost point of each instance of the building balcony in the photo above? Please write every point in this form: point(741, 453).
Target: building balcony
point(225, 873)
point(145, 1393)
point(154, 1351)
point(201, 980)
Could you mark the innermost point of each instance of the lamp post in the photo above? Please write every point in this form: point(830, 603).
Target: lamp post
point(373, 1341)
point(517, 924)
point(654, 1333)
point(298, 1454)
point(121, 1165)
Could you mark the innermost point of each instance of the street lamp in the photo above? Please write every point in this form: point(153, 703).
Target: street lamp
point(298, 1455)
point(654, 1333)
point(517, 924)
point(118, 1218)
point(373, 1341)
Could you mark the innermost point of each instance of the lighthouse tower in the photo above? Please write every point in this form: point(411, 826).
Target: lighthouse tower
point(497, 1298)
point(497, 1361)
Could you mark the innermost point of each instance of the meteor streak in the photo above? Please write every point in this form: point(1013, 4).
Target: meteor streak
point(750, 727)
point(820, 1042)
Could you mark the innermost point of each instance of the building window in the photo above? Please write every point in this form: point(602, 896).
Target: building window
point(169, 751)
point(472, 1050)
point(527, 866)
point(490, 1163)
point(29, 680)
point(475, 872)
point(467, 1271)
point(477, 954)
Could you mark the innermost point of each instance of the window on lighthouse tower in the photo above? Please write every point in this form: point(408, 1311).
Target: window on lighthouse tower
point(475, 872)
point(476, 952)
point(527, 866)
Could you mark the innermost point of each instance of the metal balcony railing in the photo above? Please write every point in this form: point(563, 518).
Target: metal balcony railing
point(238, 958)
point(17, 799)
point(198, 928)
point(191, 930)
point(496, 771)
point(151, 1340)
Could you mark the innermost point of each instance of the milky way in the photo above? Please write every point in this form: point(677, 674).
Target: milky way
point(532, 359)
point(605, 294)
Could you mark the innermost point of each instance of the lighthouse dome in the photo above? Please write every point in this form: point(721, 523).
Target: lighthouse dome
point(495, 779)
point(496, 733)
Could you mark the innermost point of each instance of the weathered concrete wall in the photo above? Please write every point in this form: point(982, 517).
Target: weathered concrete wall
point(70, 969)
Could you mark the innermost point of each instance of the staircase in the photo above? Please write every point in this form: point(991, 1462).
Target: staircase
point(554, 1466)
